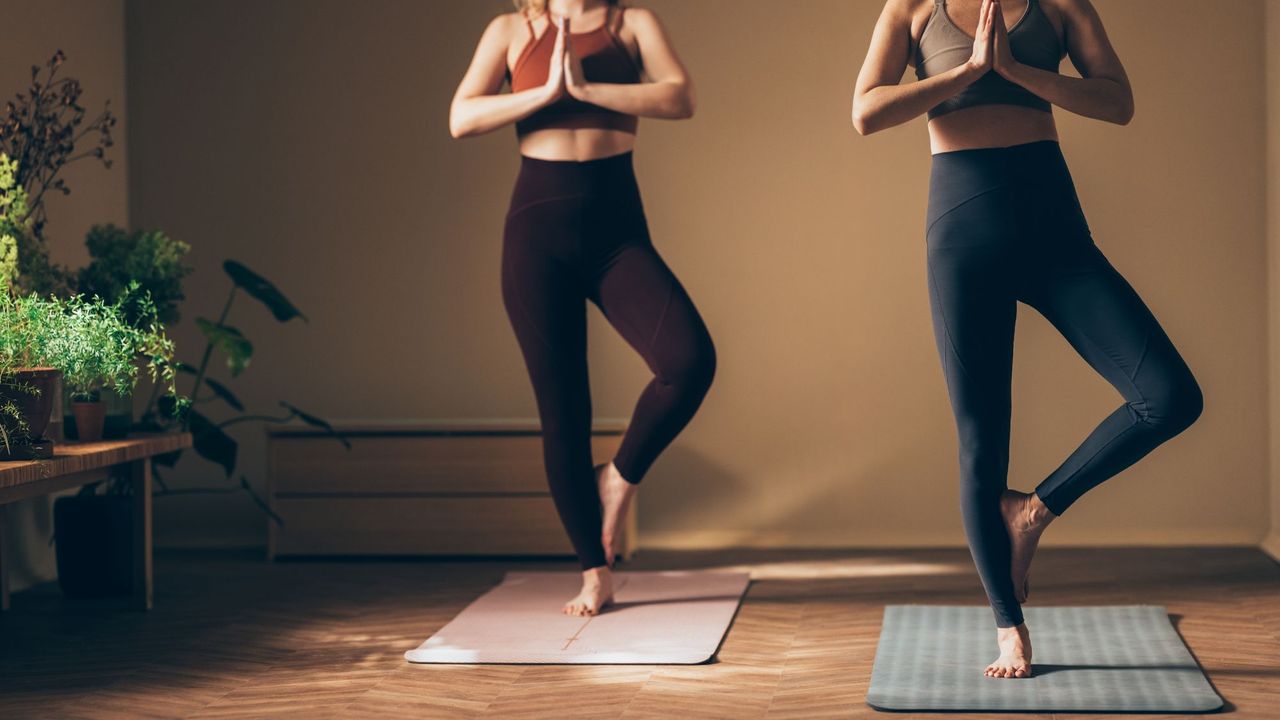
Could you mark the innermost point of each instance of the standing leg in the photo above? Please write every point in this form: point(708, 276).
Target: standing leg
point(546, 304)
point(1102, 317)
point(140, 480)
point(973, 319)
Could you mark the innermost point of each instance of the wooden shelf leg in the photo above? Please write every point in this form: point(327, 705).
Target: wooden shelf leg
point(140, 478)
point(4, 561)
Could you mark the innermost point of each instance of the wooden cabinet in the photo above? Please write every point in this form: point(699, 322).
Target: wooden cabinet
point(419, 490)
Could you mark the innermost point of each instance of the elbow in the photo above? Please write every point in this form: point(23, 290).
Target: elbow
point(459, 129)
point(863, 121)
point(684, 106)
point(460, 125)
point(1121, 111)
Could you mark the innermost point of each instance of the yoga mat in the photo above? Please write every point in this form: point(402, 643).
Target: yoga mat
point(1126, 658)
point(676, 618)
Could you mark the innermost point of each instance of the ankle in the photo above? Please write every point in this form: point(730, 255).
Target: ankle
point(1038, 514)
point(597, 574)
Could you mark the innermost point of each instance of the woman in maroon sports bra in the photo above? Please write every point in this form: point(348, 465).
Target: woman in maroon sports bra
point(576, 231)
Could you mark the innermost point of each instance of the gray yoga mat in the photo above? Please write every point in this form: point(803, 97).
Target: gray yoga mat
point(673, 617)
point(1126, 658)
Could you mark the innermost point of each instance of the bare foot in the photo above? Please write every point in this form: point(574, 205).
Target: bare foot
point(597, 593)
point(1026, 518)
point(615, 498)
point(1015, 653)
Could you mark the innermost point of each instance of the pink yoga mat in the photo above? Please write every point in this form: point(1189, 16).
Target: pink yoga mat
point(676, 618)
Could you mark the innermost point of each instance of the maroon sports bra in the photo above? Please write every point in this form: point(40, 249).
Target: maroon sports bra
point(604, 59)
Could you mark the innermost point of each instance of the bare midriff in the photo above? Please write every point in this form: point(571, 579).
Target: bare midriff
point(989, 126)
point(578, 144)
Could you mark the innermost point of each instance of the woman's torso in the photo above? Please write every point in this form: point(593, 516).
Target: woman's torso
point(985, 125)
point(607, 33)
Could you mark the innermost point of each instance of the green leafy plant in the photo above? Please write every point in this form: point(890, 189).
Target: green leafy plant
point(148, 258)
point(28, 330)
point(91, 341)
point(43, 130)
point(210, 439)
point(13, 213)
point(100, 346)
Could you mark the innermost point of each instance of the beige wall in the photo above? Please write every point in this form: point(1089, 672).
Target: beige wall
point(1272, 31)
point(91, 33)
point(308, 139)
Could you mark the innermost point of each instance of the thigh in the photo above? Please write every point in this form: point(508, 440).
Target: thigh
point(542, 288)
point(649, 307)
point(1103, 318)
point(974, 313)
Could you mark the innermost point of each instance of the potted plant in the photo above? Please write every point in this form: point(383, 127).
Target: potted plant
point(120, 260)
point(99, 348)
point(29, 329)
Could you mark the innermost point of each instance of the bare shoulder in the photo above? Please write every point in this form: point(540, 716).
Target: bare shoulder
point(503, 27)
point(640, 19)
point(1070, 10)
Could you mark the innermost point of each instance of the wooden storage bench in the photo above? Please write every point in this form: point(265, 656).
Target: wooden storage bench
point(419, 490)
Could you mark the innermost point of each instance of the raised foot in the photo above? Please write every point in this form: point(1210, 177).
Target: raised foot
point(596, 594)
point(1015, 653)
point(615, 498)
point(1025, 517)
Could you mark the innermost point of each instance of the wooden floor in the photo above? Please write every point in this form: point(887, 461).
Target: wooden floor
point(232, 636)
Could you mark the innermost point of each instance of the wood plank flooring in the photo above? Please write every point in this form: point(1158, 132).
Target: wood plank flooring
point(234, 637)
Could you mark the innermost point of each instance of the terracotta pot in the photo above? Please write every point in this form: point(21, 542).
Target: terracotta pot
point(90, 419)
point(36, 407)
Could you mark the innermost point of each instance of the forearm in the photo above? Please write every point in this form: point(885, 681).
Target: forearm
point(1098, 98)
point(889, 105)
point(664, 100)
point(486, 113)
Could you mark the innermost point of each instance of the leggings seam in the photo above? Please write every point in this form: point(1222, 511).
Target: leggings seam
point(1085, 338)
point(959, 205)
point(662, 318)
point(524, 310)
point(516, 211)
point(946, 328)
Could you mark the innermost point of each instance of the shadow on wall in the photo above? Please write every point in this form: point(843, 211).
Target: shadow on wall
point(688, 486)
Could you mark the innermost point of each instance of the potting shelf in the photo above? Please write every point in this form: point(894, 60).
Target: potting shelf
point(74, 464)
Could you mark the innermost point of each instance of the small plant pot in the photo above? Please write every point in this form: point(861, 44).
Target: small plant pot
point(119, 416)
point(93, 539)
point(91, 418)
point(32, 390)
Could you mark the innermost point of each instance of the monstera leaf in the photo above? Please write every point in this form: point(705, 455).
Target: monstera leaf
point(211, 442)
point(224, 392)
point(230, 341)
point(262, 289)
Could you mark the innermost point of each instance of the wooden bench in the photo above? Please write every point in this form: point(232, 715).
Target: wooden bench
point(442, 489)
point(75, 464)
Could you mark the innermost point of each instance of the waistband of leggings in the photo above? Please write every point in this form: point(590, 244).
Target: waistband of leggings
point(541, 180)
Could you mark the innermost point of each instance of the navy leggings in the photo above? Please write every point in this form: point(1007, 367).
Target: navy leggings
point(575, 232)
point(1005, 226)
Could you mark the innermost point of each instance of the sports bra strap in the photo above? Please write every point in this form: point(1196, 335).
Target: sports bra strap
point(614, 20)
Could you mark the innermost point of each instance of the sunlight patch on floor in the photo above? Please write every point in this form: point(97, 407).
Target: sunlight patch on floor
point(840, 569)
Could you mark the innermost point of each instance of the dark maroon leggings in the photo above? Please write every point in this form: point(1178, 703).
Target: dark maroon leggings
point(576, 231)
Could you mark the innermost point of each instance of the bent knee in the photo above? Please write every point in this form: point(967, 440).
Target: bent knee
point(1177, 408)
point(692, 369)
